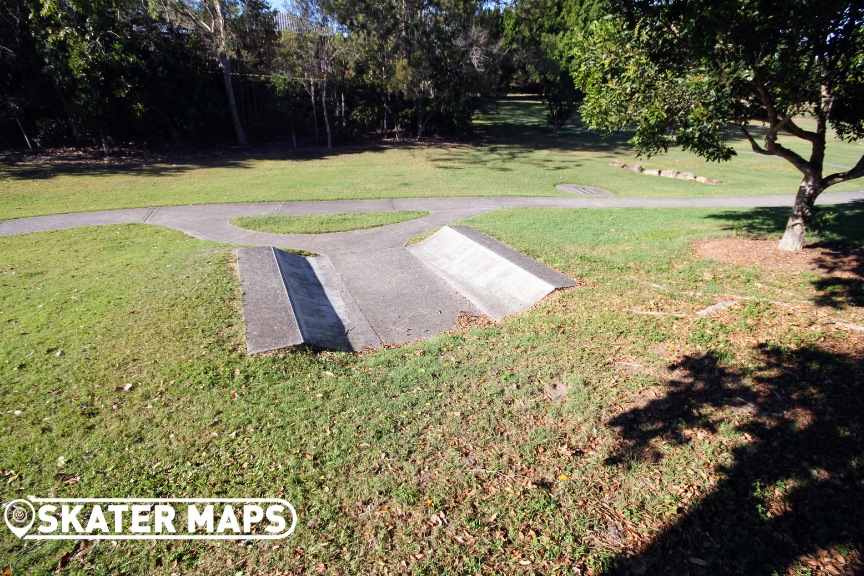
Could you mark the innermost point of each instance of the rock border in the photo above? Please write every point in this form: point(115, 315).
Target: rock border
point(637, 168)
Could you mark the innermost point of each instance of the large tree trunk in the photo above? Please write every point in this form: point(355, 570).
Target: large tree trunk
point(225, 64)
point(802, 212)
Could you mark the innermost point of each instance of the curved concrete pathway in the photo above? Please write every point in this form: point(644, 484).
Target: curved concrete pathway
point(401, 296)
point(210, 221)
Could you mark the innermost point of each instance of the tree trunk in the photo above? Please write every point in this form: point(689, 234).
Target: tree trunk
point(802, 212)
point(326, 117)
point(24, 133)
point(314, 109)
point(225, 64)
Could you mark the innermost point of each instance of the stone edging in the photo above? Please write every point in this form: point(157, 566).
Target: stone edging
point(665, 173)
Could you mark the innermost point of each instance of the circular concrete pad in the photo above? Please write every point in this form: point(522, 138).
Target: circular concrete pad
point(583, 190)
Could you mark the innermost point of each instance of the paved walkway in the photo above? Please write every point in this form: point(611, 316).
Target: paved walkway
point(210, 221)
point(403, 299)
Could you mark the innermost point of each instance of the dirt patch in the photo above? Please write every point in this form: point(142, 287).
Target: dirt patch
point(839, 261)
point(465, 321)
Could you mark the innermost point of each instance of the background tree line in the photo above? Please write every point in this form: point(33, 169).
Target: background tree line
point(199, 72)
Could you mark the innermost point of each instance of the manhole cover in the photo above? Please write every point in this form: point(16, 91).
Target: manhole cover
point(583, 190)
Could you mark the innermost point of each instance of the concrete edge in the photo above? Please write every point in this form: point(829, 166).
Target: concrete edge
point(327, 316)
point(361, 335)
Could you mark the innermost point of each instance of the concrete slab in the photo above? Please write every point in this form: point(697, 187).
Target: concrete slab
point(75, 220)
point(403, 299)
point(497, 279)
point(583, 190)
point(538, 269)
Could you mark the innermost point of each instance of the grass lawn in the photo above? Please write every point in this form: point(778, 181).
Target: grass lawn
point(512, 155)
point(575, 435)
point(610, 429)
point(325, 223)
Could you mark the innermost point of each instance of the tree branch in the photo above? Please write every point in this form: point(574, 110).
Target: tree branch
point(775, 149)
point(856, 172)
point(796, 130)
point(755, 145)
point(792, 157)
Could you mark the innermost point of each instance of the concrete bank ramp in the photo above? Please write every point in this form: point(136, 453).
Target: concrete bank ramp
point(290, 300)
point(360, 300)
point(497, 279)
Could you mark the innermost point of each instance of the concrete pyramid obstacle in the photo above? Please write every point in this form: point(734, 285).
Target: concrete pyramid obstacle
point(289, 300)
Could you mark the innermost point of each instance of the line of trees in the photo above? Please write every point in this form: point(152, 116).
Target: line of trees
point(85, 72)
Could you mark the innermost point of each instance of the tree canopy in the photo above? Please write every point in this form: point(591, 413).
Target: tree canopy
point(680, 72)
point(538, 34)
point(100, 72)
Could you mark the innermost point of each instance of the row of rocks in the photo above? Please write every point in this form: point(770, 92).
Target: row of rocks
point(665, 173)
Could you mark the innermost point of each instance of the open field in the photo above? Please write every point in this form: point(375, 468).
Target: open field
point(611, 429)
point(512, 155)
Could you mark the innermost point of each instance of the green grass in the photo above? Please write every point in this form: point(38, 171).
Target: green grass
point(436, 454)
point(511, 156)
point(592, 432)
point(325, 223)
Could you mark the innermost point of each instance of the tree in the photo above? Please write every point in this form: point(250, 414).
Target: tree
point(537, 33)
point(682, 71)
point(312, 49)
point(432, 60)
point(213, 20)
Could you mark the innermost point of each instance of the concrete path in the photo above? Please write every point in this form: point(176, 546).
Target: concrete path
point(210, 221)
point(367, 287)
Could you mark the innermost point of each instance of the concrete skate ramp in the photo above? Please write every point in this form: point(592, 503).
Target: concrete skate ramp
point(290, 300)
point(497, 279)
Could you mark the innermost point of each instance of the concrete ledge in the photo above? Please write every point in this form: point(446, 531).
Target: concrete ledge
point(497, 279)
point(290, 300)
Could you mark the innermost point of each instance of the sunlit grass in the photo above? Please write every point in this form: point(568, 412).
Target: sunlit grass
point(511, 155)
point(324, 223)
point(388, 455)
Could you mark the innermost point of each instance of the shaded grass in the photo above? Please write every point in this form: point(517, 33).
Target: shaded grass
point(497, 449)
point(325, 223)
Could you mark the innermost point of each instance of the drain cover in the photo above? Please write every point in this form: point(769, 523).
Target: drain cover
point(583, 190)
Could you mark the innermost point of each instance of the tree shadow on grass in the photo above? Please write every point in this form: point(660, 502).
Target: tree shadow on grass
point(504, 147)
point(795, 487)
point(839, 236)
point(150, 163)
point(840, 224)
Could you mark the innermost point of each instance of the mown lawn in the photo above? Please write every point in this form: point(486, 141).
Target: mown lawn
point(590, 433)
point(325, 223)
point(611, 429)
point(513, 154)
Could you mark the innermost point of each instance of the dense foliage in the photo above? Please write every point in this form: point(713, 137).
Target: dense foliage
point(539, 34)
point(104, 72)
